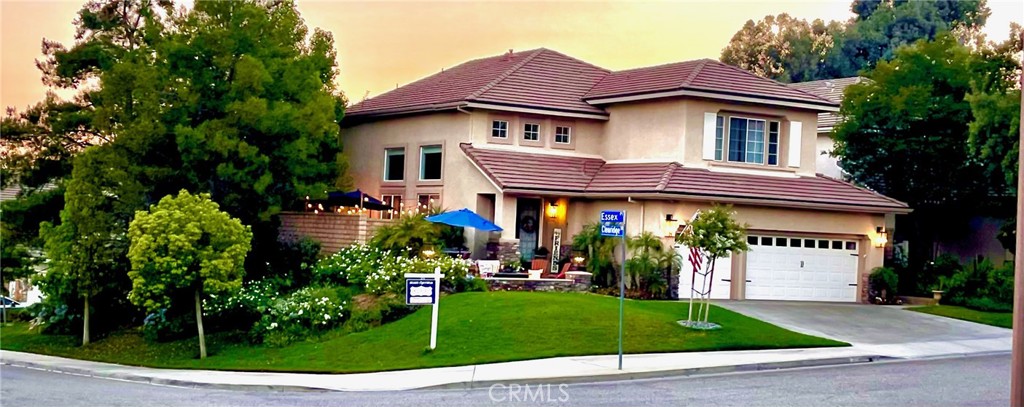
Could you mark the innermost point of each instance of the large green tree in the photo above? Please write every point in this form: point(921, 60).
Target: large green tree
point(236, 99)
point(904, 134)
point(185, 243)
point(792, 50)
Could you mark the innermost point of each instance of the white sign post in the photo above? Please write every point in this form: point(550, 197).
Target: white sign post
point(421, 297)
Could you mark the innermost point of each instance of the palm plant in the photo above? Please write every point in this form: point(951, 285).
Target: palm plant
point(410, 234)
point(600, 253)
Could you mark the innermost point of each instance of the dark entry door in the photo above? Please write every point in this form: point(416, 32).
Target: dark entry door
point(527, 226)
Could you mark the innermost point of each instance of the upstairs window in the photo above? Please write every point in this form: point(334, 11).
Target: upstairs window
point(719, 137)
point(499, 129)
point(531, 132)
point(430, 163)
point(751, 141)
point(394, 164)
point(563, 135)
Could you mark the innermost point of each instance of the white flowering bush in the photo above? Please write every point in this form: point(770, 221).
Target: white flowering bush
point(303, 313)
point(383, 271)
point(242, 309)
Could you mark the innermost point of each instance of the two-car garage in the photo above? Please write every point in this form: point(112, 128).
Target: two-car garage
point(790, 268)
point(801, 269)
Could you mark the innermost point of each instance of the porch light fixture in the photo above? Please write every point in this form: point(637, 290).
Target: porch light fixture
point(882, 237)
point(670, 226)
point(552, 209)
point(428, 252)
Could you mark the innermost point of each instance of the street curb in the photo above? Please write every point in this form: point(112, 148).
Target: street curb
point(160, 381)
point(465, 385)
point(696, 371)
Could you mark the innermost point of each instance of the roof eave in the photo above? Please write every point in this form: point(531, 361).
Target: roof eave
point(608, 99)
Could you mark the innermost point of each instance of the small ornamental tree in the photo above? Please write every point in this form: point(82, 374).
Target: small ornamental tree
point(185, 243)
point(714, 233)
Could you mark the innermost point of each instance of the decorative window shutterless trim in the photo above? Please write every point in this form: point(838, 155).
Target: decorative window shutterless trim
point(563, 134)
point(531, 132)
point(430, 163)
point(499, 129)
point(394, 164)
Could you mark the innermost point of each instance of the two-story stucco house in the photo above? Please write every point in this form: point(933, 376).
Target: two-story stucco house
point(541, 142)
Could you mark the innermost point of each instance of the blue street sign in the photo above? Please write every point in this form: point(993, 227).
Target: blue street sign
point(420, 291)
point(613, 223)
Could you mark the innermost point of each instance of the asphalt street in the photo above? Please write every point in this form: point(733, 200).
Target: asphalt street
point(966, 381)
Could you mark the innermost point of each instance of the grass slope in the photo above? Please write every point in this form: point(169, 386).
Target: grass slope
point(1000, 319)
point(473, 328)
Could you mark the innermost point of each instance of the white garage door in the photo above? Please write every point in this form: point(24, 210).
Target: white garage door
point(802, 269)
point(720, 284)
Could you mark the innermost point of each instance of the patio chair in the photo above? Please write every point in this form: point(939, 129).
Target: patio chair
point(565, 268)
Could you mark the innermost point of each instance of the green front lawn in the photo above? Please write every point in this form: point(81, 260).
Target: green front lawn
point(474, 328)
point(1000, 319)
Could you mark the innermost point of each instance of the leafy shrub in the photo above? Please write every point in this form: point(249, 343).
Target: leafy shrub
point(371, 311)
point(303, 313)
point(159, 326)
point(988, 305)
point(470, 284)
point(921, 283)
point(884, 278)
point(242, 309)
point(408, 236)
point(379, 271)
point(293, 262)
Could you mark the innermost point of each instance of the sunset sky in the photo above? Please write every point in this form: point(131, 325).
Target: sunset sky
point(384, 44)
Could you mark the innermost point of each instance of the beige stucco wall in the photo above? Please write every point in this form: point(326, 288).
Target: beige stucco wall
point(673, 130)
point(826, 164)
point(460, 182)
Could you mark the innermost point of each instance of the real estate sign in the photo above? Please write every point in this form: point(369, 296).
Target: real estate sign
point(420, 291)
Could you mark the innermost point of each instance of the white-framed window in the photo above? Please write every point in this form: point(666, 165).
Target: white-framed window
point(719, 137)
point(394, 164)
point(531, 132)
point(395, 202)
point(563, 134)
point(499, 129)
point(746, 140)
point(430, 163)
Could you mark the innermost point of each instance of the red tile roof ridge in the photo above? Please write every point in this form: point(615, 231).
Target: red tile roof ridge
point(667, 177)
point(738, 69)
point(696, 71)
point(896, 201)
point(532, 54)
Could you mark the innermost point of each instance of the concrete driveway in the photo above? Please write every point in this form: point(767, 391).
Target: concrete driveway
point(888, 329)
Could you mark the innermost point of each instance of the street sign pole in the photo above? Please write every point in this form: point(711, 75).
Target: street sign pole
point(1017, 356)
point(613, 224)
point(622, 289)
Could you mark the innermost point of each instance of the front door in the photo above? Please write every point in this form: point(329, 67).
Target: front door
point(527, 226)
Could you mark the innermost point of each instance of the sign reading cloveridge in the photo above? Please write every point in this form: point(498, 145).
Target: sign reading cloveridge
point(613, 223)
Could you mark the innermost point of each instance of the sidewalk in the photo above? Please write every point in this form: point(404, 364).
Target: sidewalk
point(553, 370)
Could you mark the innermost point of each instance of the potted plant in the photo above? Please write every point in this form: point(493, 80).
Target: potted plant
point(940, 289)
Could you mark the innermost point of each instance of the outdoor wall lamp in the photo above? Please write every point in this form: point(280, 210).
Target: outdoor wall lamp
point(882, 237)
point(670, 226)
point(552, 209)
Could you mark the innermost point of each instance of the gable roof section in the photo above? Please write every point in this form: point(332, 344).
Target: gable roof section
point(831, 89)
point(511, 170)
point(539, 78)
point(705, 75)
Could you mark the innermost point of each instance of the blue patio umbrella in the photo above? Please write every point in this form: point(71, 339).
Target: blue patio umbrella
point(465, 218)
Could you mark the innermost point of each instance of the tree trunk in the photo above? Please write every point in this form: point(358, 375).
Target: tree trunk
point(199, 325)
point(85, 322)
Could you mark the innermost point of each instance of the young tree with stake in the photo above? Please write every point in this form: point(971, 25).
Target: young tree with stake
point(714, 233)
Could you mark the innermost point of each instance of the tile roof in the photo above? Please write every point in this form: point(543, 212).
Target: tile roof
point(546, 79)
point(518, 170)
point(539, 78)
point(701, 75)
point(831, 89)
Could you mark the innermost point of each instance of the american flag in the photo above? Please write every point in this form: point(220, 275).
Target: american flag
point(695, 258)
